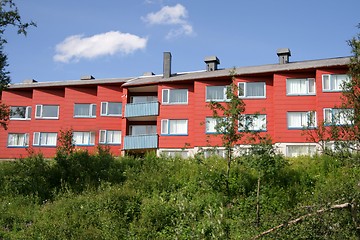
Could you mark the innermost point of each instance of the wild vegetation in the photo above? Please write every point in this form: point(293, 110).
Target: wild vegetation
point(79, 195)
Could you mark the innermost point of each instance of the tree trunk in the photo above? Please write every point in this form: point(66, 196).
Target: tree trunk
point(258, 203)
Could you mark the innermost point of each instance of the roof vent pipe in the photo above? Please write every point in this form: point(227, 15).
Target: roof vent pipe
point(87, 77)
point(284, 55)
point(167, 65)
point(211, 63)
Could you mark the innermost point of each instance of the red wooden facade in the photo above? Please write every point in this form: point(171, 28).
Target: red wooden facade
point(276, 104)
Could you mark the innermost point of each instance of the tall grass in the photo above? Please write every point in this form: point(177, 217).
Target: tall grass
point(98, 196)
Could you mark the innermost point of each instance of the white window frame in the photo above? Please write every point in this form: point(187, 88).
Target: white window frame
point(333, 85)
point(38, 137)
point(295, 150)
point(331, 120)
point(20, 143)
point(87, 138)
point(149, 130)
point(304, 122)
point(166, 127)
point(104, 111)
point(91, 110)
point(224, 94)
point(252, 122)
point(210, 125)
point(28, 110)
point(104, 137)
point(245, 94)
point(166, 95)
point(309, 83)
point(39, 111)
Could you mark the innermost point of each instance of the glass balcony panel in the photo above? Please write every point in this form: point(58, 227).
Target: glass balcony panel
point(141, 142)
point(142, 109)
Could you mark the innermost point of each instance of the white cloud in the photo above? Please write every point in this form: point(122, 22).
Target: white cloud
point(175, 15)
point(76, 47)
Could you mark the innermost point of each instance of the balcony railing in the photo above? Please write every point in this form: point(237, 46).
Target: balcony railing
point(141, 142)
point(142, 109)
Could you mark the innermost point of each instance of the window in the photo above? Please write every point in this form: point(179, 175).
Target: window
point(338, 116)
point(297, 120)
point(110, 137)
point(211, 125)
point(334, 82)
point(18, 140)
point(175, 96)
point(20, 113)
point(300, 150)
point(84, 110)
point(45, 139)
point(111, 108)
point(143, 99)
point(174, 127)
point(84, 138)
point(252, 89)
point(175, 153)
point(216, 93)
point(253, 122)
point(136, 130)
point(304, 86)
point(47, 111)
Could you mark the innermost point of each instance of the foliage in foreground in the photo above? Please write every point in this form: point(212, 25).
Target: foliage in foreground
point(97, 196)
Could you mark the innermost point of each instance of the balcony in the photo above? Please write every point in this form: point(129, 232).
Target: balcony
point(142, 109)
point(141, 142)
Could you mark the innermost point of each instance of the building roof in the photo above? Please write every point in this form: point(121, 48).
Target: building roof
point(68, 83)
point(261, 69)
point(155, 79)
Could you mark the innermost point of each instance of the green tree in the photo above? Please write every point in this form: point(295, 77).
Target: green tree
point(228, 116)
point(344, 127)
point(263, 158)
point(9, 16)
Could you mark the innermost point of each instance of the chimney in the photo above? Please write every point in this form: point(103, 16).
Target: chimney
point(87, 77)
point(167, 65)
point(284, 55)
point(211, 63)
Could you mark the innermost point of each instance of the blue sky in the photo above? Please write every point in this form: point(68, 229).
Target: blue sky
point(125, 38)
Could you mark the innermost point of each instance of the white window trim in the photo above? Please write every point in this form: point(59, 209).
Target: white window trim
point(333, 121)
point(224, 99)
point(92, 115)
point(25, 142)
point(248, 128)
point(89, 139)
point(27, 117)
point(166, 130)
point(168, 93)
point(105, 132)
point(41, 111)
point(245, 94)
point(307, 120)
point(308, 80)
point(107, 110)
point(38, 143)
point(330, 79)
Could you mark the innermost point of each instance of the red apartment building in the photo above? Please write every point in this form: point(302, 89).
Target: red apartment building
point(168, 113)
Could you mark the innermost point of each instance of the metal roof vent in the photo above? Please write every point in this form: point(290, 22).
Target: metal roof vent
point(30, 81)
point(147, 74)
point(284, 55)
point(211, 63)
point(87, 77)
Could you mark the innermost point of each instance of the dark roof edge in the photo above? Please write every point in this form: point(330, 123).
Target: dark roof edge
point(68, 83)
